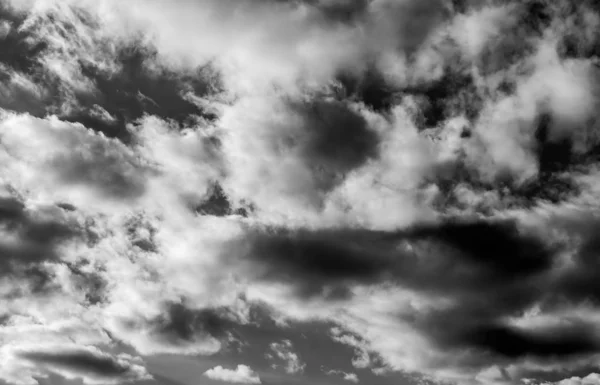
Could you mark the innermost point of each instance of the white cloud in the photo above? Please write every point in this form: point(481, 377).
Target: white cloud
point(57, 161)
point(351, 377)
point(481, 27)
point(27, 358)
point(241, 375)
point(290, 39)
point(590, 379)
point(145, 248)
point(283, 351)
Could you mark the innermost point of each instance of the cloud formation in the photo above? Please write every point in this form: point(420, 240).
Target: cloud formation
point(351, 377)
point(241, 375)
point(283, 351)
point(93, 366)
point(419, 175)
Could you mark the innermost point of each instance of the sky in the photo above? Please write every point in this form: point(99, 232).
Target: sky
point(299, 192)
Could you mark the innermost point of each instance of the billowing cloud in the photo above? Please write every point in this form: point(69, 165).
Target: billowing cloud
point(351, 377)
point(30, 237)
point(241, 375)
point(24, 363)
point(591, 379)
point(421, 176)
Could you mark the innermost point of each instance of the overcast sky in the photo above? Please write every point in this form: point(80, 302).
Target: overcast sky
point(299, 192)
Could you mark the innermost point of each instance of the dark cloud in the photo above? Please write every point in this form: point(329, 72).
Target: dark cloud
point(499, 248)
point(537, 13)
point(489, 269)
point(514, 343)
point(66, 206)
point(106, 170)
point(87, 364)
point(533, 19)
point(518, 272)
point(370, 88)
point(181, 323)
point(80, 361)
point(139, 86)
point(343, 11)
point(412, 21)
point(515, 41)
point(559, 166)
point(581, 280)
point(314, 261)
point(485, 271)
point(333, 139)
point(457, 94)
point(17, 48)
point(89, 281)
point(554, 154)
point(218, 204)
point(446, 258)
point(19, 58)
point(453, 95)
point(34, 239)
point(542, 376)
point(138, 89)
point(141, 233)
point(582, 40)
point(461, 6)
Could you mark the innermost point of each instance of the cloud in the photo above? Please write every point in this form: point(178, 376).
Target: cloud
point(308, 147)
point(465, 288)
point(282, 351)
point(81, 73)
point(184, 330)
point(91, 365)
point(318, 261)
point(100, 166)
point(362, 359)
point(26, 360)
point(351, 377)
point(591, 379)
point(241, 375)
point(414, 173)
point(30, 237)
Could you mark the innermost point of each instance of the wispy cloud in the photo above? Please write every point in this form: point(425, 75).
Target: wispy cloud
point(283, 352)
point(23, 364)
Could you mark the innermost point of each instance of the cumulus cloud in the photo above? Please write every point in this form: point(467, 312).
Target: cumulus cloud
point(283, 352)
point(351, 377)
point(241, 375)
point(421, 175)
point(592, 378)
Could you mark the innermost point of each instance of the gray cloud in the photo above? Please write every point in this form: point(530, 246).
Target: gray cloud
point(408, 170)
point(473, 264)
point(92, 366)
point(30, 239)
